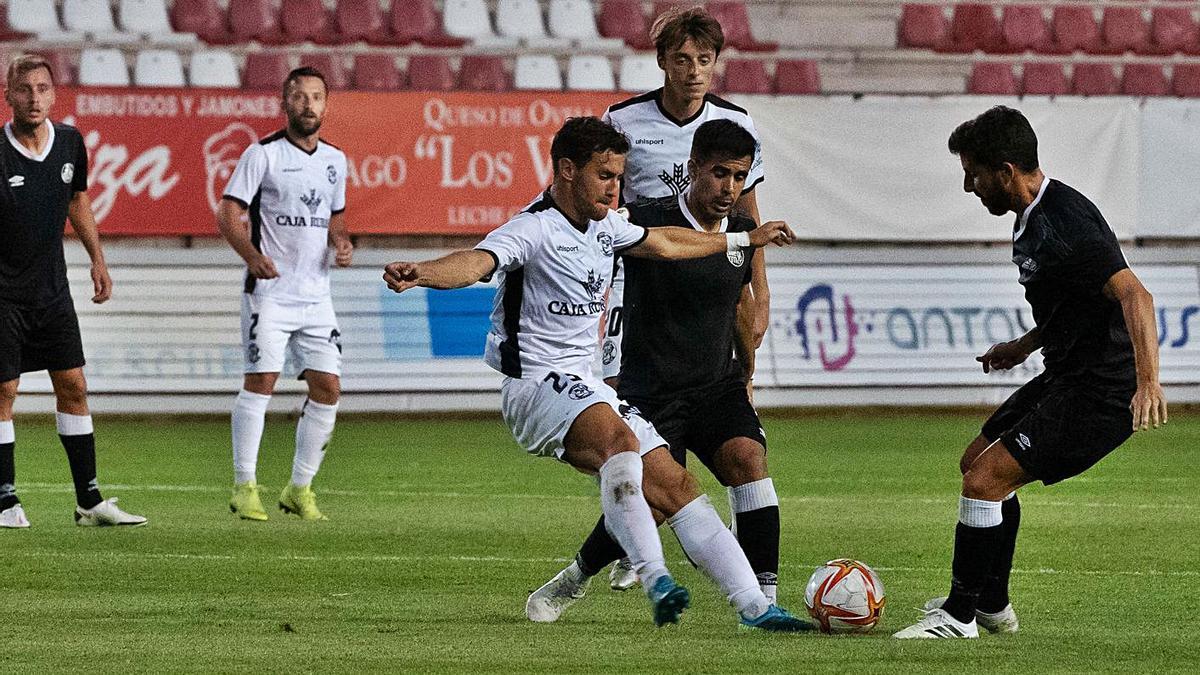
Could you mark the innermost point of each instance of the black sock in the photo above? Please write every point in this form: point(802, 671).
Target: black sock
point(81, 455)
point(995, 592)
point(758, 535)
point(598, 550)
point(8, 477)
point(974, 549)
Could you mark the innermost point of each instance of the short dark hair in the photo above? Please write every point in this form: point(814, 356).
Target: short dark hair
point(999, 136)
point(673, 27)
point(24, 63)
point(581, 137)
point(303, 71)
point(721, 140)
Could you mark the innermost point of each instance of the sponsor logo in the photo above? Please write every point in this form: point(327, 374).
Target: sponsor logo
point(580, 392)
point(606, 243)
point(649, 141)
point(68, 172)
point(312, 200)
point(1024, 442)
point(331, 174)
point(736, 258)
point(575, 309)
point(594, 285)
point(566, 249)
point(221, 153)
point(676, 179)
point(284, 220)
point(16, 181)
point(292, 169)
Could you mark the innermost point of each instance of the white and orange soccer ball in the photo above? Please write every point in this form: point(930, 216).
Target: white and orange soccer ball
point(845, 596)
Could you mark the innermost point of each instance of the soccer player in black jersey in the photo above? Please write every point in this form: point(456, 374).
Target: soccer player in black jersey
point(44, 167)
point(1094, 322)
point(678, 366)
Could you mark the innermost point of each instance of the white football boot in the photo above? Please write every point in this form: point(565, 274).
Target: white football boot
point(106, 513)
point(13, 517)
point(1004, 621)
point(622, 576)
point(548, 603)
point(937, 623)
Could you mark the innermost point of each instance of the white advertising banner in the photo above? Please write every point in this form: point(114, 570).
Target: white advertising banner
point(1170, 173)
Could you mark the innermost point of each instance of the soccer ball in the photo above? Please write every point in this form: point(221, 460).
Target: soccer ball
point(845, 596)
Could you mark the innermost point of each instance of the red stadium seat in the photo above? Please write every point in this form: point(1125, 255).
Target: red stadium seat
point(624, 19)
point(994, 79)
point(1144, 79)
point(735, 23)
point(974, 26)
point(7, 34)
point(363, 20)
point(1094, 79)
point(418, 21)
point(797, 77)
point(1125, 30)
point(308, 21)
point(62, 65)
point(922, 27)
point(265, 71)
point(332, 66)
point(377, 72)
point(1186, 80)
point(256, 20)
point(744, 76)
point(1024, 28)
point(1075, 29)
point(430, 73)
point(1044, 79)
point(482, 73)
point(1172, 29)
point(205, 18)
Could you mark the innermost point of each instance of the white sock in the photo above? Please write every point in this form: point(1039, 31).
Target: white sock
point(753, 496)
point(313, 432)
point(714, 550)
point(249, 414)
point(73, 425)
point(628, 517)
point(7, 433)
point(979, 513)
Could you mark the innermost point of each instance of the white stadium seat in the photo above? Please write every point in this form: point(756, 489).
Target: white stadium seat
point(467, 19)
point(573, 19)
point(39, 17)
point(103, 68)
point(149, 18)
point(158, 68)
point(214, 68)
point(520, 19)
point(590, 73)
point(537, 71)
point(640, 72)
point(95, 18)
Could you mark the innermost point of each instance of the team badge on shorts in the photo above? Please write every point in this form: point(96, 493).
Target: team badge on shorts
point(626, 411)
point(736, 258)
point(606, 246)
point(252, 353)
point(331, 174)
point(68, 172)
point(580, 392)
point(610, 352)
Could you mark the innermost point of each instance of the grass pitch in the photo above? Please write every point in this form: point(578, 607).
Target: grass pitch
point(438, 530)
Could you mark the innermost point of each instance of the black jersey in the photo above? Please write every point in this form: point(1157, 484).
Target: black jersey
point(34, 198)
point(1066, 252)
point(680, 317)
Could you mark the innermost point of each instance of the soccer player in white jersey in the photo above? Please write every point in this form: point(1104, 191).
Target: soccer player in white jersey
point(290, 188)
point(552, 262)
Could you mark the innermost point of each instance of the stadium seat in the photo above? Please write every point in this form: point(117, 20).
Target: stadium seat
point(214, 68)
point(973, 26)
point(1144, 79)
point(1044, 79)
point(1094, 79)
point(332, 66)
point(7, 34)
point(537, 72)
point(39, 17)
point(624, 20)
point(363, 20)
point(573, 20)
point(419, 21)
point(256, 20)
point(1125, 30)
point(521, 19)
point(95, 18)
point(158, 68)
point(735, 23)
point(922, 27)
point(103, 68)
point(308, 21)
point(205, 18)
point(590, 73)
point(794, 76)
point(265, 71)
point(430, 73)
point(1173, 29)
point(1185, 81)
point(1075, 29)
point(482, 73)
point(745, 76)
point(467, 19)
point(1024, 28)
point(639, 72)
point(65, 72)
point(994, 79)
point(377, 72)
point(149, 19)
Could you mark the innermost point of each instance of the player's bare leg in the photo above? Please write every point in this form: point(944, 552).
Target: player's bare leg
point(247, 422)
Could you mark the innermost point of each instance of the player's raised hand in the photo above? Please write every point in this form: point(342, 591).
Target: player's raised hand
point(401, 276)
point(261, 266)
point(774, 232)
point(1149, 407)
point(1003, 356)
point(343, 252)
point(101, 282)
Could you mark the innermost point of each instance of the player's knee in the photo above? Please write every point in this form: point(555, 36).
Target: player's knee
point(326, 390)
point(979, 483)
point(71, 393)
point(622, 439)
point(742, 463)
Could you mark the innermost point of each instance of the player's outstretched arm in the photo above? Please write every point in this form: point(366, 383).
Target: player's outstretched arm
point(79, 211)
point(1149, 404)
point(456, 270)
point(679, 243)
point(231, 221)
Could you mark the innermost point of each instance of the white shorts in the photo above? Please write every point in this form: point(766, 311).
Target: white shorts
point(540, 411)
point(610, 345)
point(270, 328)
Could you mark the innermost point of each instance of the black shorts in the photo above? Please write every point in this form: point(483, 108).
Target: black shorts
point(1058, 428)
point(41, 338)
point(703, 423)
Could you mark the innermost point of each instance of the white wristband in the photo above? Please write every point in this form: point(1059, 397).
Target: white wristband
point(735, 241)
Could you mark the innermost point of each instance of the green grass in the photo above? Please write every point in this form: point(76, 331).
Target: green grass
point(439, 529)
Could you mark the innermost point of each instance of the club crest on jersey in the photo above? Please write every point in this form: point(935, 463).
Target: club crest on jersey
point(606, 245)
point(68, 172)
point(312, 200)
point(594, 284)
point(736, 258)
point(331, 174)
point(580, 392)
point(677, 179)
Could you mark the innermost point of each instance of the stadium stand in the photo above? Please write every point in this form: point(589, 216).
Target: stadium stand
point(149, 21)
point(1144, 79)
point(377, 72)
point(332, 66)
point(735, 23)
point(639, 72)
point(214, 68)
point(1044, 79)
point(158, 68)
point(363, 20)
point(797, 76)
point(974, 26)
point(538, 72)
point(1075, 29)
point(994, 79)
point(103, 68)
point(308, 21)
point(418, 21)
point(482, 73)
point(590, 73)
point(265, 70)
point(624, 20)
point(430, 73)
point(1024, 28)
point(1094, 79)
point(744, 76)
point(39, 18)
point(1125, 30)
point(204, 18)
point(94, 18)
point(1185, 80)
point(256, 20)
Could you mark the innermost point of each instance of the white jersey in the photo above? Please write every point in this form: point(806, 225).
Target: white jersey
point(552, 278)
point(660, 145)
point(291, 194)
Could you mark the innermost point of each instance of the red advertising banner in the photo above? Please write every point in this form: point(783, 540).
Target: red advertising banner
point(419, 163)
